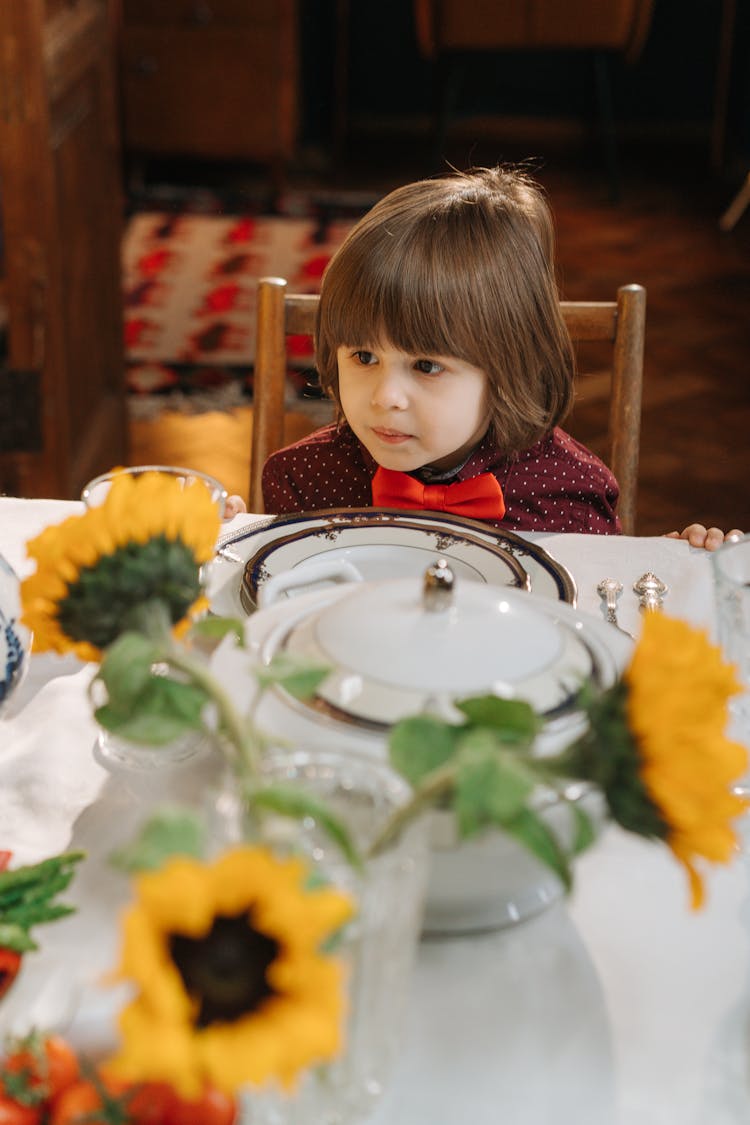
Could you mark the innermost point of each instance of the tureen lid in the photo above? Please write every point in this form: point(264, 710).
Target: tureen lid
point(397, 647)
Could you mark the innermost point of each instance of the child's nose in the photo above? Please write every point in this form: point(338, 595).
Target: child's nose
point(389, 391)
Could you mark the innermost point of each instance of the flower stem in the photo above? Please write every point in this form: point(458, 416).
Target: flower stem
point(239, 733)
point(435, 785)
point(569, 764)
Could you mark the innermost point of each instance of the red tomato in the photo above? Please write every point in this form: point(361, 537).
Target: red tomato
point(211, 1108)
point(149, 1103)
point(43, 1065)
point(82, 1104)
point(62, 1065)
point(75, 1103)
point(13, 1113)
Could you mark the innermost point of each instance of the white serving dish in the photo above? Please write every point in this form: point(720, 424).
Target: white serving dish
point(391, 657)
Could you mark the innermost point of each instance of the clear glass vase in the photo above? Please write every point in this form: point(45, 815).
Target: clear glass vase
point(121, 754)
point(378, 946)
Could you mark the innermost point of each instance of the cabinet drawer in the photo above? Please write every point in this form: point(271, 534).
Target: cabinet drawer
point(221, 92)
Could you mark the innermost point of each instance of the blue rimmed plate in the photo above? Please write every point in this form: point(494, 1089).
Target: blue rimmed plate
point(546, 576)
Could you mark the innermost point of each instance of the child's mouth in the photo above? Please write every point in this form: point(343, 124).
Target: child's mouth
point(392, 437)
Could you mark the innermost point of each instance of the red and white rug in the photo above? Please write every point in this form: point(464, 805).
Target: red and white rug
point(189, 296)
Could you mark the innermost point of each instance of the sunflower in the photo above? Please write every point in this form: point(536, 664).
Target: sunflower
point(679, 687)
point(658, 748)
point(232, 987)
point(144, 544)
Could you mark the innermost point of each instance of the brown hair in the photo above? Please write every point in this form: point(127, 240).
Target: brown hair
point(461, 265)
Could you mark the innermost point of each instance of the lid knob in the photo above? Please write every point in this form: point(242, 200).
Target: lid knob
point(437, 592)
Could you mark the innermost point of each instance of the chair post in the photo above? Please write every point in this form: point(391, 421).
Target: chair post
point(625, 414)
point(269, 381)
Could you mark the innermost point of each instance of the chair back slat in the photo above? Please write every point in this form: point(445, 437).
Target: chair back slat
point(300, 313)
point(590, 320)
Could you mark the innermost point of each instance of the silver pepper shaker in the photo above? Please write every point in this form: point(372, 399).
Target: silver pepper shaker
point(650, 591)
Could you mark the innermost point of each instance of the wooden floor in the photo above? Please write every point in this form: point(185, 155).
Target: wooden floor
point(664, 234)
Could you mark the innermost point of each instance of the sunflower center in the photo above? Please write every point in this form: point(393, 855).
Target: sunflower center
point(99, 604)
point(225, 971)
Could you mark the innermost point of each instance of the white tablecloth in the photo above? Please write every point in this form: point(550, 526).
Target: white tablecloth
point(617, 1007)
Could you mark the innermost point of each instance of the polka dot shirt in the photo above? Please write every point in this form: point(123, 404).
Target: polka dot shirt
point(556, 485)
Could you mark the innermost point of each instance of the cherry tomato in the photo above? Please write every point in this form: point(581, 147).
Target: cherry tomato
point(13, 1113)
point(211, 1108)
point(146, 1103)
point(79, 1099)
point(39, 1068)
point(78, 1103)
point(62, 1064)
point(10, 963)
point(149, 1103)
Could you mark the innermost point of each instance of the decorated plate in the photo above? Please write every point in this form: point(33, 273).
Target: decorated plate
point(371, 551)
point(546, 576)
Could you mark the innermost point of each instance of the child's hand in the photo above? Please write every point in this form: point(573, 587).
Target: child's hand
point(698, 536)
point(234, 506)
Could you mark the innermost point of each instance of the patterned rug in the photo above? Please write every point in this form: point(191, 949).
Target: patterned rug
point(189, 296)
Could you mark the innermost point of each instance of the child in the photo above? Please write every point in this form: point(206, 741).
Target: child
point(440, 338)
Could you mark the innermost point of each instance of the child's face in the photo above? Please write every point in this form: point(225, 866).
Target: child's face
point(411, 410)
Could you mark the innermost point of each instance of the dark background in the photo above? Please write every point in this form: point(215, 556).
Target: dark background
point(668, 94)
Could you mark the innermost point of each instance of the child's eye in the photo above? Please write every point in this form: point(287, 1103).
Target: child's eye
point(428, 367)
point(364, 357)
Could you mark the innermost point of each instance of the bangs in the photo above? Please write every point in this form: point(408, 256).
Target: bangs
point(413, 291)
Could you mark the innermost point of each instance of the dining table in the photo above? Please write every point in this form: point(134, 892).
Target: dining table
point(616, 1004)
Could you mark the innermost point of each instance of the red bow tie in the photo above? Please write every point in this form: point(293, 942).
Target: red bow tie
point(480, 497)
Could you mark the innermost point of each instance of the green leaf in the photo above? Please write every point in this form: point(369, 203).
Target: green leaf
point(164, 710)
point(126, 668)
point(34, 914)
point(37, 880)
point(513, 719)
point(15, 938)
point(531, 831)
point(492, 784)
point(214, 628)
point(585, 833)
point(421, 744)
point(297, 676)
point(172, 830)
point(146, 730)
point(298, 803)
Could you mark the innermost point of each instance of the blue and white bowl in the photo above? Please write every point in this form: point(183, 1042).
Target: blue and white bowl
point(15, 639)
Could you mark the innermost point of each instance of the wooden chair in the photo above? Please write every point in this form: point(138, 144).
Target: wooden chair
point(621, 322)
point(454, 34)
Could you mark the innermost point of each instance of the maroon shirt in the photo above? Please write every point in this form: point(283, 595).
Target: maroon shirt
point(557, 485)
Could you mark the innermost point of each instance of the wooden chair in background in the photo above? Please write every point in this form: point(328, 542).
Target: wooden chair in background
point(454, 34)
point(622, 323)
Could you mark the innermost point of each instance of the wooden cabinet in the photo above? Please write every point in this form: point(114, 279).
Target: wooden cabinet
point(210, 78)
point(62, 388)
